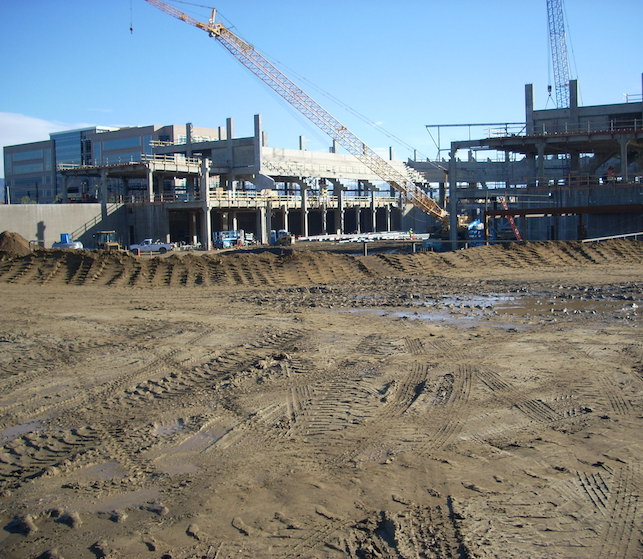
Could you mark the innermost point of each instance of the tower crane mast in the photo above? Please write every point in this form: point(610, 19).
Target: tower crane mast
point(300, 100)
point(558, 45)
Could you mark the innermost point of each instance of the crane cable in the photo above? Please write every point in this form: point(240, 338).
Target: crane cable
point(318, 88)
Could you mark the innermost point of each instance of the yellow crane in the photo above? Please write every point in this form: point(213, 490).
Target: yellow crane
point(300, 100)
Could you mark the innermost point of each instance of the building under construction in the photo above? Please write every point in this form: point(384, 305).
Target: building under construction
point(563, 174)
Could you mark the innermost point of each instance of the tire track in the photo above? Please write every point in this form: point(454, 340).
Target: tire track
point(45, 453)
point(535, 409)
point(621, 539)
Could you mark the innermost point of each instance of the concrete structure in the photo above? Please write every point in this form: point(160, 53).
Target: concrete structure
point(222, 182)
point(181, 183)
point(572, 163)
point(31, 170)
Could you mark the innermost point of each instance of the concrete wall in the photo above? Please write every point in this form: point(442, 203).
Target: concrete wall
point(148, 221)
point(44, 223)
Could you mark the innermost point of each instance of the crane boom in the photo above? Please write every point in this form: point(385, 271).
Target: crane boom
point(558, 45)
point(300, 100)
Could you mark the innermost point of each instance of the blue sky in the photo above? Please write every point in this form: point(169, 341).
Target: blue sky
point(402, 64)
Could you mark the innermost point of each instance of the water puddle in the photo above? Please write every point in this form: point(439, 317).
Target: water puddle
point(14, 431)
point(103, 472)
point(169, 430)
point(513, 310)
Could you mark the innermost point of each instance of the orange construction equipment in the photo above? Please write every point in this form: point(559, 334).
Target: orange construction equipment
point(510, 218)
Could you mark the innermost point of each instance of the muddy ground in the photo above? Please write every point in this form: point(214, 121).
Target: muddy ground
point(300, 403)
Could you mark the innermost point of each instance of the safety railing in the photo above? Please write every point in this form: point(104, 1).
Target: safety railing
point(252, 199)
point(170, 158)
point(560, 128)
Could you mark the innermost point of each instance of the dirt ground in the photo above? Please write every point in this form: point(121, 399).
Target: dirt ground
point(309, 403)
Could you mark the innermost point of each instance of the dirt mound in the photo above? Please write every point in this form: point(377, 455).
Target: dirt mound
point(303, 267)
point(13, 245)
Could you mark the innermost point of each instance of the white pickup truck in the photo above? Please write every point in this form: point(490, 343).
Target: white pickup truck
point(148, 245)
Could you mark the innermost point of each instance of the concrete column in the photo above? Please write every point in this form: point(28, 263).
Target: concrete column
point(388, 218)
point(573, 103)
point(529, 108)
point(150, 184)
point(304, 210)
point(623, 141)
point(358, 227)
point(234, 222)
point(453, 199)
point(229, 152)
point(268, 218)
point(261, 226)
point(206, 229)
point(258, 142)
point(373, 212)
point(324, 217)
point(540, 173)
point(192, 228)
point(340, 216)
point(103, 194)
point(286, 219)
point(189, 132)
point(302, 143)
point(203, 180)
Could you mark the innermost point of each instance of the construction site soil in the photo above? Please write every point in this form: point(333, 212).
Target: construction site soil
point(302, 402)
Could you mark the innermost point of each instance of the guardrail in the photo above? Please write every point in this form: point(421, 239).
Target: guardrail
point(175, 159)
point(634, 236)
point(251, 199)
point(170, 158)
point(552, 128)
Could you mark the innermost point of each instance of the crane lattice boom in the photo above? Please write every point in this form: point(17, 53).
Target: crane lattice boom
point(560, 58)
point(293, 94)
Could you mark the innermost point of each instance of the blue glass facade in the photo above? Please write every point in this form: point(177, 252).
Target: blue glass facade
point(31, 169)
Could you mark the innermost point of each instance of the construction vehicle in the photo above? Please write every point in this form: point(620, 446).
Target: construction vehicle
point(106, 240)
point(293, 94)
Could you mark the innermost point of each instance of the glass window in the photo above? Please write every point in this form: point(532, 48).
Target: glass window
point(47, 158)
point(25, 155)
point(122, 143)
point(97, 152)
point(27, 168)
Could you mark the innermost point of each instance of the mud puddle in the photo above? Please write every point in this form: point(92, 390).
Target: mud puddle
point(534, 306)
point(476, 310)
